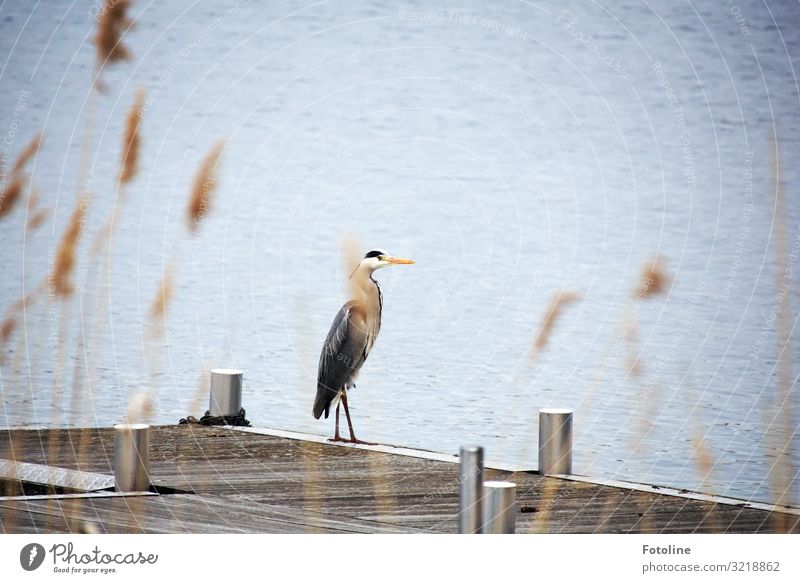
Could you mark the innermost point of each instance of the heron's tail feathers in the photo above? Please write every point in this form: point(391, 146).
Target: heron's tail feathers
point(319, 408)
point(322, 403)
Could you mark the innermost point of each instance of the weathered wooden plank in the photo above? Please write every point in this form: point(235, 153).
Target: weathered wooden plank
point(248, 482)
point(185, 513)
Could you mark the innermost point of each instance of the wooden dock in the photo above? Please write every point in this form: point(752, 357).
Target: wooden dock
point(219, 479)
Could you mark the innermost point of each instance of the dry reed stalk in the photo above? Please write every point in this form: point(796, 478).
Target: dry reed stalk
point(633, 362)
point(9, 452)
point(203, 187)
point(36, 215)
point(610, 506)
point(7, 328)
point(548, 499)
point(201, 389)
point(60, 279)
point(313, 492)
point(643, 416)
point(781, 473)
point(11, 194)
point(131, 142)
point(11, 321)
point(33, 199)
point(28, 152)
point(701, 454)
point(647, 524)
point(158, 307)
point(312, 477)
point(140, 407)
point(158, 317)
point(113, 23)
point(382, 491)
point(17, 179)
point(352, 253)
point(54, 443)
point(653, 281)
point(6, 331)
point(560, 300)
point(65, 255)
point(128, 170)
point(37, 219)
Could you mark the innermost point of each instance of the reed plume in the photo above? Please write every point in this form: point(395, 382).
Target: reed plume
point(112, 25)
point(37, 219)
point(130, 145)
point(203, 188)
point(560, 300)
point(36, 215)
point(17, 179)
point(33, 199)
point(10, 195)
point(11, 321)
point(654, 279)
point(140, 407)
point(28, 152)
point(7, 328)
point(158, 308)
point(702, 454)
point(65, 256)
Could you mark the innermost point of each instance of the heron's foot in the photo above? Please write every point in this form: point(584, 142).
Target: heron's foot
point(358, 441)
point(352, 440)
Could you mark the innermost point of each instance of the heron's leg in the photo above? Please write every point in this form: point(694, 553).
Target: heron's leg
point(336, 436)
point(350, 422)
point(347, 412)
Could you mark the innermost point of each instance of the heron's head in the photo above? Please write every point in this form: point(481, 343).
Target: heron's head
point(377, 258)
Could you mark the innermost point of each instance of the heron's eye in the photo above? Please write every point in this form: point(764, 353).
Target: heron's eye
point(382, 257)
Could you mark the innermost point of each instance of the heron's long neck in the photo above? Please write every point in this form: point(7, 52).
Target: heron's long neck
point(380, 298)
point(368, 292)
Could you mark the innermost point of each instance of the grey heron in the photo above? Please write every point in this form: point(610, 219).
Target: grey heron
point(350, 339)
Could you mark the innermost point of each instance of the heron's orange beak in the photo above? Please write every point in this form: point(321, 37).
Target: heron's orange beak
point(400, 261)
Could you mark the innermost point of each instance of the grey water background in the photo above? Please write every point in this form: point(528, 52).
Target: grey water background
point(513, 149)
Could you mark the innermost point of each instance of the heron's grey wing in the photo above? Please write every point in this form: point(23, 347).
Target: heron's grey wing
point(342, 355)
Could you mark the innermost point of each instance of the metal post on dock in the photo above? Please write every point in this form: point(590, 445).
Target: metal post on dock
point(555, 441)
point(499, 508)
point(132, 457)
point(225, 398)
point(471, 491)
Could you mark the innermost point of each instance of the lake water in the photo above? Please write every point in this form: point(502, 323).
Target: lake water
point(513, 150)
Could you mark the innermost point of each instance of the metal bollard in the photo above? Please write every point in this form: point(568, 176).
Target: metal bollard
point(225, 398)
point(132, 457)
point(471, 491)
point(499, 508)
point(555, 441)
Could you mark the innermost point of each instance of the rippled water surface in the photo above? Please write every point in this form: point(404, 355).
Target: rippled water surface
point(513, 149)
